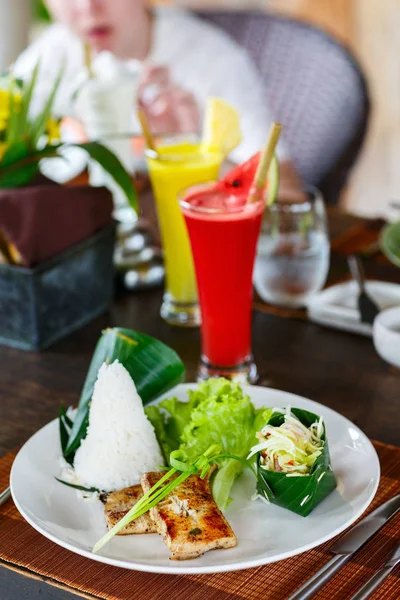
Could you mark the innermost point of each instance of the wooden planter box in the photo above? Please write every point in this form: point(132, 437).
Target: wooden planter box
point(41, 305)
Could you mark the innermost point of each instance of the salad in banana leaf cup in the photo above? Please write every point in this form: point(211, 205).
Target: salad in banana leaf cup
point(293, 464)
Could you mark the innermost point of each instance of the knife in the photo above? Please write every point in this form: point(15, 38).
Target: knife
point(5, 495)
point(376, 580)
point(347, 545)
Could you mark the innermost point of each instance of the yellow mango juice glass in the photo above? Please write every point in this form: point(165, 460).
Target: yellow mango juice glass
point(173, 168)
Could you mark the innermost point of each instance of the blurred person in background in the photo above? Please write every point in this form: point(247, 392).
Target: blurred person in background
point(185, 61)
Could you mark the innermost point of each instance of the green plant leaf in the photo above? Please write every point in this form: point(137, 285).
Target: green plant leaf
point(110, 163)
point(20, 177)
point(23, 170)
point(15, 157)
point(12, 127)
point(18, 169)
point(154, 367)
point(298, 493)
point(14, 153)
point(41, 11)
point(26, 100)
point(38, 126)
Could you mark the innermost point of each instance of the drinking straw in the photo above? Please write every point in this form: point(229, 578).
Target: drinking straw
point(261, 175)
point(4, 250)
point(8, 251)
point(146, 130)
point(88, 61)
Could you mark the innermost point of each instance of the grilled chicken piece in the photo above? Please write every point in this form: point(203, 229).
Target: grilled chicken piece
point(188, 519)
point(117, 504)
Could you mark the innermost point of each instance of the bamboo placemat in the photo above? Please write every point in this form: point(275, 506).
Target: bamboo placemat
point(26, 551)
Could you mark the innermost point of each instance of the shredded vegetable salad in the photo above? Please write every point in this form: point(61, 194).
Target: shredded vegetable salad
point(290, 448)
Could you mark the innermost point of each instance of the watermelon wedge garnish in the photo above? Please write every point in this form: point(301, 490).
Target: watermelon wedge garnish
point(239, 179)
point(242, 176)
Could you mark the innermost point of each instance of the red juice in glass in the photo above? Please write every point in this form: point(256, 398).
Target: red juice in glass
point(223, 230)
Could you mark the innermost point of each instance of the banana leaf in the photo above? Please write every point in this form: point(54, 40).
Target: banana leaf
point(301, 493)
point(154, 367)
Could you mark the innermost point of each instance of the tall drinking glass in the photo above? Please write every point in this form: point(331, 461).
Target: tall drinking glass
point(293, 251)
point(173, 168)
point(223, 231)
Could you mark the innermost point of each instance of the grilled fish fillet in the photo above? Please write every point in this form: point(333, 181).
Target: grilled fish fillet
point(117, 504)
point(189, 519)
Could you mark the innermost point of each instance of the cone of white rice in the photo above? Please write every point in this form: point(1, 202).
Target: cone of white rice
point(120, 443)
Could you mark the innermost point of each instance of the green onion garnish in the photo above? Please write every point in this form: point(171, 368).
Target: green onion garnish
point(199, 465)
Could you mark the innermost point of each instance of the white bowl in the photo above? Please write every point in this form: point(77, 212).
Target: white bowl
point(386, 335)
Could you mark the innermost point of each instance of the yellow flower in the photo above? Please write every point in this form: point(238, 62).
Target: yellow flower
point(53, 130)
point(5, 105)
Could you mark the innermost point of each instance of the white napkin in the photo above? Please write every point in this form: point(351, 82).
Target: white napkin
point(337, 307)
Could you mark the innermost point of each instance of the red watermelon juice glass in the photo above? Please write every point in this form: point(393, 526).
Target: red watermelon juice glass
point(223, 230)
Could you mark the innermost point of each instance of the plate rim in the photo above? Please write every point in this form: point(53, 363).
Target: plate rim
point(206, 569)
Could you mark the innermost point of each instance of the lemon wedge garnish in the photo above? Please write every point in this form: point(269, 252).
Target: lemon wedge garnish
point(221, 131)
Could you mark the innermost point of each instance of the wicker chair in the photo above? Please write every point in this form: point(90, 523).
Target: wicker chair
point(314, 86)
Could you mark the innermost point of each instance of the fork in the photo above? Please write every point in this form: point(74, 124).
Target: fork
point(379, 577)
point(367, 307)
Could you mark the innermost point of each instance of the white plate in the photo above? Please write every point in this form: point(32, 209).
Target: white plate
point(266, 533)
point(336, 306)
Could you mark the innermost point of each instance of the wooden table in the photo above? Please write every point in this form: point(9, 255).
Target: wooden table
point(338, 369)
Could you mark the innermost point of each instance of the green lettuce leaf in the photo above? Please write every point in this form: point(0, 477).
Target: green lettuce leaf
point(263, 415)
point(218, 412)
point(169, 419)
point(225, 416)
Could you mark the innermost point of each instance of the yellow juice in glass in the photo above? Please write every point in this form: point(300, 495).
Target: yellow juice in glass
point(172, 169)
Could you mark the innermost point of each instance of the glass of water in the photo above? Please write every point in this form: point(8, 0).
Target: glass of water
point(293, 251)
